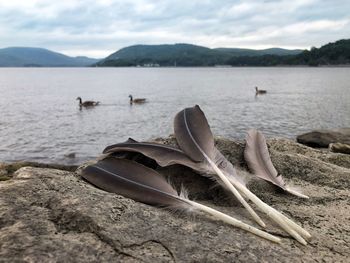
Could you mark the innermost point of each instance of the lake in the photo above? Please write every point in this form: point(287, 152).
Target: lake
point(40, 119)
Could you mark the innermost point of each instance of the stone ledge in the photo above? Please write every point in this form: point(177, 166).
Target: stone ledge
point(51, 215)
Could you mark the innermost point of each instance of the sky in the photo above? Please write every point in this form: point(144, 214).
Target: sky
point(97, 28)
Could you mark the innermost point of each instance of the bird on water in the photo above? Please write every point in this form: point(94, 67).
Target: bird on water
point(137, 101)
point(259, 91)
point(88, 103)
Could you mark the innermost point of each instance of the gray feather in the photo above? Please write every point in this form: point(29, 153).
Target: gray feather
point(193, 134)
point(258, 158)
point(164, 155)
point(195, 138)
point(134, 181)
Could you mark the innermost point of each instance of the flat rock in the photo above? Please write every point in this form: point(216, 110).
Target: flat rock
point(322, 138)
point(7, 169)
point(51, 215)
point(340, 147)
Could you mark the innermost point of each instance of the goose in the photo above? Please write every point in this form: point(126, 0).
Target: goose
point(257, 91)
point(138, 100)
point(88, 103)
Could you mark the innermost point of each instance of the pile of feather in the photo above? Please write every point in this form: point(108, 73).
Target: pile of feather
point(115, 171)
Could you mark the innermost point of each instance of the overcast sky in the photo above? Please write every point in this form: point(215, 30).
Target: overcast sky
point(97, 28)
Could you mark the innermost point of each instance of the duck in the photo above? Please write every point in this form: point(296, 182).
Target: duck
point(88, 103)
point(261, 91)
point(138, 100)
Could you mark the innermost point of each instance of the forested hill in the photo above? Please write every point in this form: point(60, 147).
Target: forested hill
point(183, 55)
point(164, 55)
point(337, 53)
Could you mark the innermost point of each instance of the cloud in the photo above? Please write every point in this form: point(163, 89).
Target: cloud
point(99, 27)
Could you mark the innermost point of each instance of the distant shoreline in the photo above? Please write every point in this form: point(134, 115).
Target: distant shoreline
point(182, 67)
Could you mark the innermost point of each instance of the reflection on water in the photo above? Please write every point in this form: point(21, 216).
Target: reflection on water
point(40, 117)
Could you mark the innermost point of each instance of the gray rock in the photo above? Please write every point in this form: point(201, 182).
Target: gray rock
point(7, 169)
point(322, 138)
point(49, 215)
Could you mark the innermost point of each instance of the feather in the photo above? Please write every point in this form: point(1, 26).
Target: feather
point(130, 155)
point(258, 159)
point(167, 155)
point(259, 162)
point(132, 180)
point(194, 137)
point(164, 155)
point(122, 154)
point(140, 183)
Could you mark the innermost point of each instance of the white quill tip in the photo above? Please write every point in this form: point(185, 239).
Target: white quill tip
point(296, 193)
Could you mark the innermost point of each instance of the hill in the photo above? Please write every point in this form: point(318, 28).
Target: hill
point(337, 53)
point(164, 55)
point(40, 57)
point(239, 52)
point(182, 55)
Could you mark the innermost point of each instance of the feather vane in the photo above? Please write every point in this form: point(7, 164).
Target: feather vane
point(164, 155)
point(257, 156)
point(140, 183)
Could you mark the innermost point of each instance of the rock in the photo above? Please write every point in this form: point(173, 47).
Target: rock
point(322, 138)
point(50, 215)
point(340, 147)
point(7, 169)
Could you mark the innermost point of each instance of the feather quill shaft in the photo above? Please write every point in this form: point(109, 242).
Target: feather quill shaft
point(143, 184)
point(284, 222)
point(296, 193)
point(236, 193)
point(194, 137)
point(232, 221)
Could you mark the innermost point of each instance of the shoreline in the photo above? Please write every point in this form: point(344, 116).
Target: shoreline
point(184, 67)
point(9, 167)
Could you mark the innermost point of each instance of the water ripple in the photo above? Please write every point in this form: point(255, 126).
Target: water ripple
point(41, 121)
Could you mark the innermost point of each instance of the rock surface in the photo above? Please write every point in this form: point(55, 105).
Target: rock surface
point(340, 147)
point(50, 215)
point(7, 169)
point(322, 138)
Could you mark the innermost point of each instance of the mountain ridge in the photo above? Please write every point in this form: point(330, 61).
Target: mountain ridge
point(182, 54)
point(40, 57)
point(334, 53)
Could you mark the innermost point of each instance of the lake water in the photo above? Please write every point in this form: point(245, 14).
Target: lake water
point(40, 119)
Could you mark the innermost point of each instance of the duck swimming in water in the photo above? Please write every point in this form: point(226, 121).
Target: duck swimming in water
point(88, 103)
point(261, 91)
point(138, 100)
